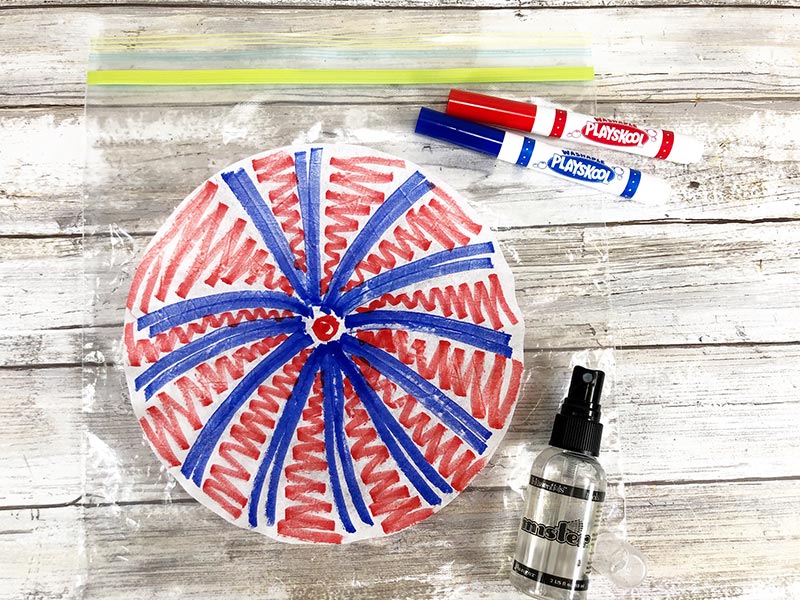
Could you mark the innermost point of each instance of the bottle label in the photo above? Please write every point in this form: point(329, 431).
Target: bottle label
point(564, 583)
point(567, 490)
point(564, 533)
point(557, 531)
point(614, 133)
point(581, 167)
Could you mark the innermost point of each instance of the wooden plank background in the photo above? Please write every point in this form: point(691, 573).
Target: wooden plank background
point(699, 296)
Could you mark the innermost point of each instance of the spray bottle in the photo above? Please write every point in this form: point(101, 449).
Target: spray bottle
point(566, 489)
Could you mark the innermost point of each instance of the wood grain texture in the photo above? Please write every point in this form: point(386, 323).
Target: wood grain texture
point(632, 285)
point(698, 294)
point(41, 183)
point(744, 177)
point(736, 546)
point(673, 283)
point(388, 4)
point(739, 179)
point(710, 53)
point(671, 399)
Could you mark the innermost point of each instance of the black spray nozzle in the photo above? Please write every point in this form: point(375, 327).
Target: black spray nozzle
point(577, 426)
point(583, 398)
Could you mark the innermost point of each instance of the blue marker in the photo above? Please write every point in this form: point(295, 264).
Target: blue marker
point(535, 154)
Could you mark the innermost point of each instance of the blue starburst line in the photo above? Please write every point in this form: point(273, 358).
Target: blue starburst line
point(458, 420)
point(403, 198)
point(308, 182)
point(333, 394)
point(460, 331)
point(253, 203)
point(195, 463)
point(200, 350)
point(402, 449)
point(275, 455)
point(436, 265)
point(186, 311)
point(329, 417)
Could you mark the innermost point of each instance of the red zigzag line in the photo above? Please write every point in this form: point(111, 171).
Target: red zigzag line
point(232, 261)
point(307, 518)
point(389, 496)
point(467, 300)
point(355, 201)
point(279, 168)
point(439, 219)
point(163, 343)
point(438, 448)
point(164, 420)
point(249, 435)
point(450, 368)
point(196, 250)
point(195, 229)
point(183, 221)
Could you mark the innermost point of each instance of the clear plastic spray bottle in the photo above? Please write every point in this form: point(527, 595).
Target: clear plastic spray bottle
point(566, 489)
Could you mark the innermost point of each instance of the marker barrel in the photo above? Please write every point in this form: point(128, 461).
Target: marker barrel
point(535, 154)
point(575, 127)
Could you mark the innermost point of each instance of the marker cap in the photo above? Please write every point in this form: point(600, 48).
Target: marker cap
point(460, 132)
point(488, 109)
point(686, 149)
point(652, 190)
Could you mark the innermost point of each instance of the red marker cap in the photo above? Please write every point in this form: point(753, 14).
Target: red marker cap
point(488, 109)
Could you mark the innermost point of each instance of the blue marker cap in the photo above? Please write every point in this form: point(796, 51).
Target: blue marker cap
point(460, 132)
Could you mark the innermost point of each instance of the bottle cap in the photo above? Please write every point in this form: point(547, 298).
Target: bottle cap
point(577, 426)
point(618, 560)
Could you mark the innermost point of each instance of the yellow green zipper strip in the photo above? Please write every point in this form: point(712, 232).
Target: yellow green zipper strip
point(337, 76)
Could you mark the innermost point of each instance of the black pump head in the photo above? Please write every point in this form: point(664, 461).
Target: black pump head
point(577, 426)
point(583, 398)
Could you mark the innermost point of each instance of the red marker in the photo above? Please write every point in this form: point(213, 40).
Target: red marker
point(557, 123)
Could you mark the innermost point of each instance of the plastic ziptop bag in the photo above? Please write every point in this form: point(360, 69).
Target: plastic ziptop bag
point(340, 58)
point(165, 111)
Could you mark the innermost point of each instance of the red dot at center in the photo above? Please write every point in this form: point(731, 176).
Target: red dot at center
point(325, 327)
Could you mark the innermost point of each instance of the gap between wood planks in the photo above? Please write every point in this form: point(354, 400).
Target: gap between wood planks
point(83, 502)
point(590, 225)
point(48, 108)
point(393, 5)
point(70, 365)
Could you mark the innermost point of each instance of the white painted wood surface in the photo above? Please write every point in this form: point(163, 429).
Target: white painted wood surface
point(699, 296)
